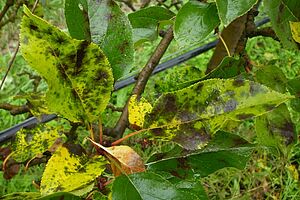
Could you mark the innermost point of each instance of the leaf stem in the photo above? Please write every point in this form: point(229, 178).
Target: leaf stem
point(127, 136)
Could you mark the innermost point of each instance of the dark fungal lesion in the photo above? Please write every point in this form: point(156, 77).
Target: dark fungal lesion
point(238, 82)
point(80, 54)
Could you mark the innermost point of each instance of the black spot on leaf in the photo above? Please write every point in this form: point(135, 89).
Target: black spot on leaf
point(230, 105)
point(238, 82)
point(244, 116)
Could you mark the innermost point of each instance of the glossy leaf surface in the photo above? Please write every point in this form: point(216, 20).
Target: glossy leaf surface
point(77, 72)
point(70, 170)
point(145, 22)
point(280, 16)
point(225, 150)
point(146, 186)
point(111, 30)
point(194, 22)
point(76, 13)
point(229, 10)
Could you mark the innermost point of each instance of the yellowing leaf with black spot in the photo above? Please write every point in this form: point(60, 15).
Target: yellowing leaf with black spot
point(137, 109)
point(78, 74)
point(192, 115)
point(295, 28)
point(70, 170)
point(123, 159)
point(30, 143)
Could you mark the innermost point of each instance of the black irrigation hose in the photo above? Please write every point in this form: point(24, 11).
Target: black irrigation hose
point(10, 132)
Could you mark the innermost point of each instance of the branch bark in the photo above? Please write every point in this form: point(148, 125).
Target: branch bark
point(8, 4)
point(142, 80)
point(13, 109)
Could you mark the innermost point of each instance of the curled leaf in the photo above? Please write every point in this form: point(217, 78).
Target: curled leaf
point(123, 159)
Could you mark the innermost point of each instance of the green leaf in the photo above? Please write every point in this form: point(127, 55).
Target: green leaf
point(294, 88)
point(225, 150)
point(76, 13)
point(194, 22)
point(295, 28)
point(71, 171)
point(272, 77)
point(192, 186)
point(293, 6)
point(192, 115)
point(111, 30)
point(229, 10)
point(22, 196)
point(145, 186)
point(280, 16)
point(229, 67)
point(275, 126)
point(146, 21)
point(33, 142)
point(77, 72)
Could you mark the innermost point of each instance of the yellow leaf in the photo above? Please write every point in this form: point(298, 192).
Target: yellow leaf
point(137, 110)
point(295, 28)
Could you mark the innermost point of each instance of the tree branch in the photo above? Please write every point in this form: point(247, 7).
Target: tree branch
point(142, 80)
point(8, 4)
point(13, 109)
point(266, 32)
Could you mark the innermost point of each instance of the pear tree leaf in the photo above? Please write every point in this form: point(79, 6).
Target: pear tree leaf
point(280, 16)
point(146, 185)
point(229, 10)
point(111, 30)
point(192, 115)
point(295, 28)
point(194, 22)
point(137, 110)
point(230, 67)
point(224, 150)
point(273, 77)
point(71, 171)
point(76, 13)
point(275, 127)
point(145, 22)
point(30, 143)
point(77, 72)
point(123, 159)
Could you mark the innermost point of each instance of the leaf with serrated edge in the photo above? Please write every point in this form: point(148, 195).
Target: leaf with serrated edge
point(128, 160)
point(137, 109)
point(201, 109)
point(113, 34)
point(280, 16)
point(224, 150)
point(146, 185)
point(194, 22)
point(70, 172)
point(229, 10)
point(77, 72)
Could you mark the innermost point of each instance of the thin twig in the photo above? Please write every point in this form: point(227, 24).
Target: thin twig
point(11, 61)
point(8, 4)
point(142, 80)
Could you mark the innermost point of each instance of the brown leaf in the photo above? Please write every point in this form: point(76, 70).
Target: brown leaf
point(123, 159)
